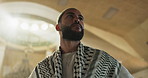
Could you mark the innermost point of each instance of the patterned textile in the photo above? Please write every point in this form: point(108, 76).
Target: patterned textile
point(87, 64)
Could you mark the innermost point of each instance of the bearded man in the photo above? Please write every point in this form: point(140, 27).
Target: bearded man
point(73, 59)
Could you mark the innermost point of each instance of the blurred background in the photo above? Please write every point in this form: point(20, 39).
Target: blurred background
point(28, 35)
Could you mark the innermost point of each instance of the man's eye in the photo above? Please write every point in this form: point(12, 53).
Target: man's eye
point(81, 18)
point(71, 16)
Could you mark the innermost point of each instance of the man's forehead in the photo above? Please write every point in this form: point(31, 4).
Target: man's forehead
point(74, 11)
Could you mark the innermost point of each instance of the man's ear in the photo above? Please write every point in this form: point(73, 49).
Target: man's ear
point(58, 28)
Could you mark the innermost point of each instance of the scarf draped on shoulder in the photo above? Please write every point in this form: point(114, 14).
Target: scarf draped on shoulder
point(89, 63)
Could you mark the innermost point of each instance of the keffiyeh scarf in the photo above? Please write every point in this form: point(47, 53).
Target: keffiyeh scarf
point(89, 63)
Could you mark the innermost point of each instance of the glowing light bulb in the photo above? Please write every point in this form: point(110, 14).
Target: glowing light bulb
point(34, 27)
point(24, 26)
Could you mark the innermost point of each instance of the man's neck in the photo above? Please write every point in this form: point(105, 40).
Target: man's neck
point(69, 46)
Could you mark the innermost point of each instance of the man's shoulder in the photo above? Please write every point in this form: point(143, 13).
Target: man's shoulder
point(99, 52)
point(107, 55)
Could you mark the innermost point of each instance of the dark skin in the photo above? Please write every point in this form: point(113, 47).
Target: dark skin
point(68, 18)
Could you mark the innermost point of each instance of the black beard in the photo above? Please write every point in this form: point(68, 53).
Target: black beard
point(71, 35)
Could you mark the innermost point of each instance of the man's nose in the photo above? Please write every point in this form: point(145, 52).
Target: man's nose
point(76, 20)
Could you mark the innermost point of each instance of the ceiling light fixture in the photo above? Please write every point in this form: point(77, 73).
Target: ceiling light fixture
point(63, 2)
point(110, 13)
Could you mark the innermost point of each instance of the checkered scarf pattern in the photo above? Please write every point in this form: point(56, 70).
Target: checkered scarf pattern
point(86, 65)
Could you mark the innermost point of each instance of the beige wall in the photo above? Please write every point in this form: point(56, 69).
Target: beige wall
point(141, 74)
point(138, 39)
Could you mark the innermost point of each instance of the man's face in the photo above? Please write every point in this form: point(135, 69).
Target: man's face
point(72, 25)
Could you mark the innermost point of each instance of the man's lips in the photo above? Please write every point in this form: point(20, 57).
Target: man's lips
point(76, 27)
